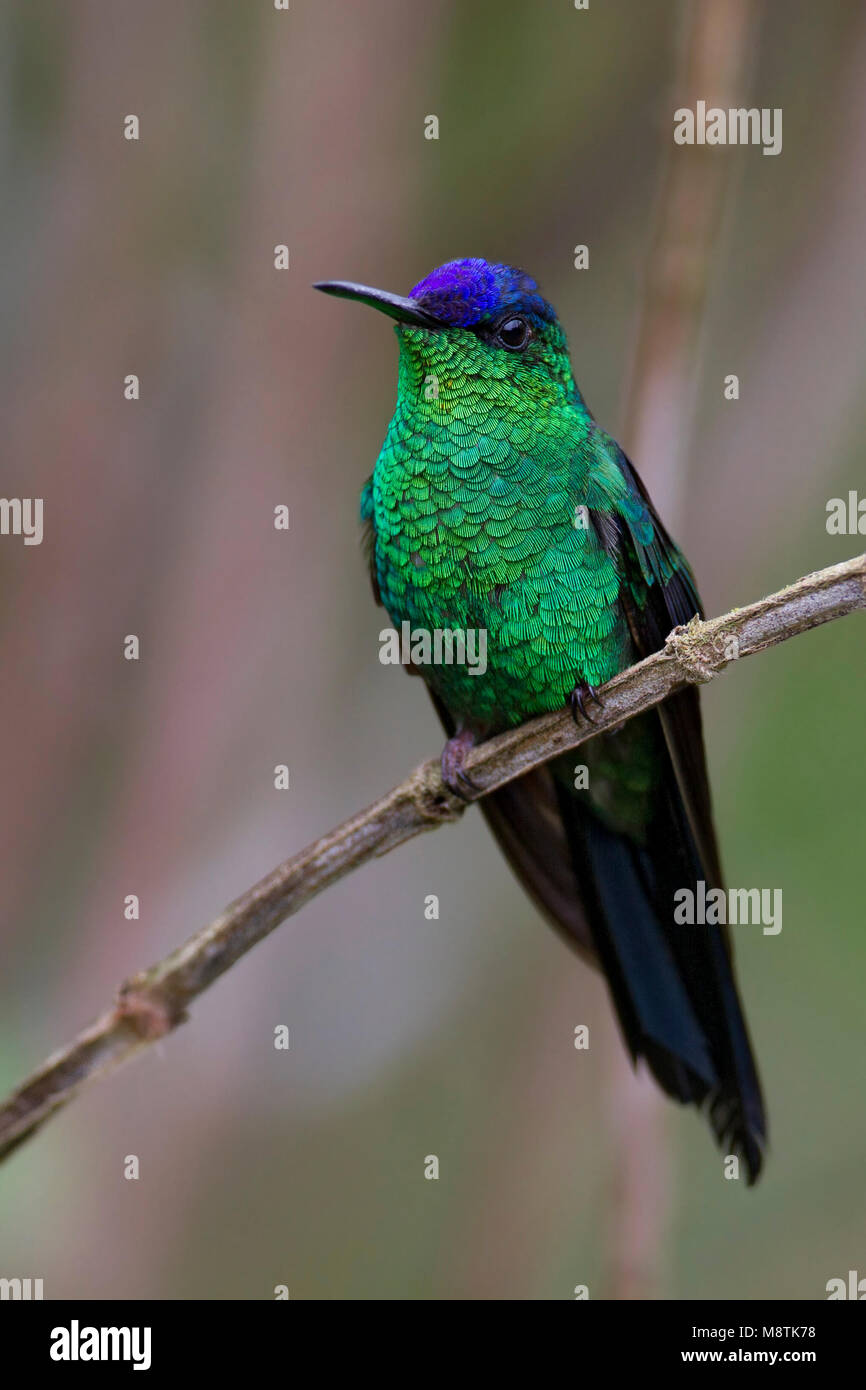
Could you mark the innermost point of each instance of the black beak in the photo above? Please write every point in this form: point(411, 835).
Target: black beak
point(403, 310)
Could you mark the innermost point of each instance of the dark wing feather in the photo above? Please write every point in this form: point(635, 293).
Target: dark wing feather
point(660, 593)
point(670, 600)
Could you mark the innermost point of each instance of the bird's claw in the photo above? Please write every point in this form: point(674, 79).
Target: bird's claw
point(582, 693)
point(458, 781)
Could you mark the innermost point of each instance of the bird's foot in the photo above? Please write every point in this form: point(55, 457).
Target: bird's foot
point(458, 782)
point(582, 694)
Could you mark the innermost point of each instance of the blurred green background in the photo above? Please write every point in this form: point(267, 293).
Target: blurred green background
point(408, 1037)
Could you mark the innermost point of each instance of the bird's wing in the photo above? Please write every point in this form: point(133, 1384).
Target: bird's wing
point(688, 1024)
point(659, 593)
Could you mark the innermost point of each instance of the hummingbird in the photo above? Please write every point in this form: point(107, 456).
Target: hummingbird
point(498, 504)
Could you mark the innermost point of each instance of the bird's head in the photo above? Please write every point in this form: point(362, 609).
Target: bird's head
point(473, 323)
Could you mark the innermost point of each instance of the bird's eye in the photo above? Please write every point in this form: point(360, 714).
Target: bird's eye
point(514, 333)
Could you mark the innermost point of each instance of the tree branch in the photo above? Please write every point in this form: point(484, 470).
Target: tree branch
point(154, 1002)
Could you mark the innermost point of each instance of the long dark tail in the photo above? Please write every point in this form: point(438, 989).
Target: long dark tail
point(672, 985)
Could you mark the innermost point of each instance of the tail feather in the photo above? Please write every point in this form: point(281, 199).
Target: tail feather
point(673, 987)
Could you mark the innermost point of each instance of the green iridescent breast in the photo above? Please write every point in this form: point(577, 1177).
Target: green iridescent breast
point(479, 503)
